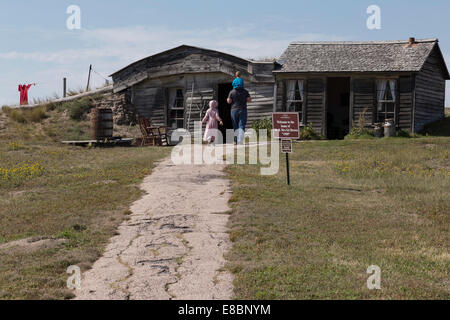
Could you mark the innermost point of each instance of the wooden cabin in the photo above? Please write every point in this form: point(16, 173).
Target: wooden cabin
point(335, 84)
point(174, 87)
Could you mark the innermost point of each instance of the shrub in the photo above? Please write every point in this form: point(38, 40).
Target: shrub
point(263, 124)
point(360, 133)
point(17, 116)
point(308, 133)
point(37, 114)
point(77, 108)
point(404, 134)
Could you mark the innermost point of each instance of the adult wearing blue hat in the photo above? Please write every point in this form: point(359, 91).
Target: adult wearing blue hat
point(238, 98)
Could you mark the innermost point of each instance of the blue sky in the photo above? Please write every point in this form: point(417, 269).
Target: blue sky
point(38, 47)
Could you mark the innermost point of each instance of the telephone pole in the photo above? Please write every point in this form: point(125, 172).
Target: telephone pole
point(89, 77)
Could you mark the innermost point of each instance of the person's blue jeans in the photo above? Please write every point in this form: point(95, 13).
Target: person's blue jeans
point(239, 118)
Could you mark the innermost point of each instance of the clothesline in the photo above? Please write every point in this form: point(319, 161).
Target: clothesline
point(99, 74)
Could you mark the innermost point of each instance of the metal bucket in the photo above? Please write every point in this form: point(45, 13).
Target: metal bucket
point(378, 130)
point(102, 124)
point(389, 128)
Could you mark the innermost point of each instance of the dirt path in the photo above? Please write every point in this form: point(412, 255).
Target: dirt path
point(173, 245)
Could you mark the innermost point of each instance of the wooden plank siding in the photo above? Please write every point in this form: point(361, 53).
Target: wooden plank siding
point(262, 102)
point(150, 80)
point(315, 101)
point(404, 114)
point(146, 96)
point(281, 96)
point(197, 101)
point(364, 101)
point(150, 97)
point(429, 92)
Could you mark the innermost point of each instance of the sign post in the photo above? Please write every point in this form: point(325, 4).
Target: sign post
point(287, 126)
point(286, 147)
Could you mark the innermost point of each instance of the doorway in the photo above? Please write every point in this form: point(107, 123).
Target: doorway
point(338, 102)
point(223, 90)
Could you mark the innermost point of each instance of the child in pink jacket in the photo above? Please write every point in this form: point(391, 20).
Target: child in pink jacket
point(212, 118)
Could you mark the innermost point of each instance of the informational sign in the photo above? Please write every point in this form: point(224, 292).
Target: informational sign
point(286, 145)
point(287, 124)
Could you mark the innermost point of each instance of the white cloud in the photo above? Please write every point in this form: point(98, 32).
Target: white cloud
point(110, 49)
point(137, 42)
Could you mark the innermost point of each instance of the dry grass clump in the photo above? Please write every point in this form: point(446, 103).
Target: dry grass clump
point(26, 115)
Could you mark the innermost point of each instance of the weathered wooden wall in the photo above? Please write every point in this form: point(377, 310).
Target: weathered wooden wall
point(205, 90)
point(405, 103)
point(150, 98)
point(314, 96)
point(281, 96)
point(262, 101)
point(315, 103)
point(429, 92)
point(148, 82)
point(364, 101)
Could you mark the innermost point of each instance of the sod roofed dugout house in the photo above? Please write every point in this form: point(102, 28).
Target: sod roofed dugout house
point(333, 84)
point(174, 87)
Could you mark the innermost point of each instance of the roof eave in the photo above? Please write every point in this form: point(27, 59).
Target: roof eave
point(350, 71)
point(176, 48)
point(436, 46)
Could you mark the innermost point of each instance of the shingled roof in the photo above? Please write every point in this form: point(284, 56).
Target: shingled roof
point(376, 56)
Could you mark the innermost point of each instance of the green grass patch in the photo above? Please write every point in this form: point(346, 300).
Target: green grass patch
point(351, 204)
point(51, 190)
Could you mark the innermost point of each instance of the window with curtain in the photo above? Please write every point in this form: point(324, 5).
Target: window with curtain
point(294, 101)
point(386, 100)
point(176, 108)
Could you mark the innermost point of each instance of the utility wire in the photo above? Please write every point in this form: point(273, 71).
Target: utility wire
point(100, 75)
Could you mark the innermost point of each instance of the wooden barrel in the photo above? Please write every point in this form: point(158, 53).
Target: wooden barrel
point(101, 123)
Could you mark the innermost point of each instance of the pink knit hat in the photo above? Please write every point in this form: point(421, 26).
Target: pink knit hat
point(213, 104)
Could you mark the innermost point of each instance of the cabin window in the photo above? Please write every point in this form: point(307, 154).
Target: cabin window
point(176, 108)
point(294, 102)
point(386, 100)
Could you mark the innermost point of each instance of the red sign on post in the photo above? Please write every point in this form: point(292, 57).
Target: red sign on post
point(287, 124)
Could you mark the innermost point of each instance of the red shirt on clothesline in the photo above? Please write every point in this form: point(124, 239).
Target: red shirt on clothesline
point(23, 89)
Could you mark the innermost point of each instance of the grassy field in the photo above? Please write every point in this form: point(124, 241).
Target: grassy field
point(351, 204)
point(48, 190)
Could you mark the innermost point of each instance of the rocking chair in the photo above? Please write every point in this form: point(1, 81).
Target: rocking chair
point(156, 136)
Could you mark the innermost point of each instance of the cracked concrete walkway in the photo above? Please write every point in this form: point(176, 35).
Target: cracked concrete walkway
point(173, 245)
